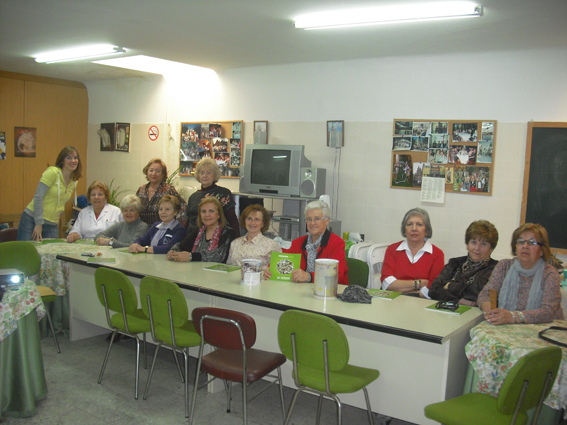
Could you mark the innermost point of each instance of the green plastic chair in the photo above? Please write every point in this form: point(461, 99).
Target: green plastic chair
point(167, 310)
point(319, 349)
point(117, 294)
point(24, 257)
point(527, 385)
point(357, 272)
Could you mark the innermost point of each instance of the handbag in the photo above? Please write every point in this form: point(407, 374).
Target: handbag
point(550, 340)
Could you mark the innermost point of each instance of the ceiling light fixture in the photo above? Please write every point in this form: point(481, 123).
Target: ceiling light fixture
point(389, 14)
point(77, 53)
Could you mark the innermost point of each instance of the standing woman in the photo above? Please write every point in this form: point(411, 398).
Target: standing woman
point(151, 193)
point(40, 218)
point(207, 173)
point(210, 240)
point(410, 266)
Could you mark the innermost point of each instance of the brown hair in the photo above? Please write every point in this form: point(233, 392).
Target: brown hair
point(64, 154)
point(101, 186)
point(174, 201)
point(156, 161)
point(253, 208)
point(484, 230)
point(540, 234)
point(211, 200)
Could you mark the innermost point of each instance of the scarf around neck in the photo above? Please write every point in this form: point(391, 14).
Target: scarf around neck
point(311, 249)
point(214, 239)
point(508, 297)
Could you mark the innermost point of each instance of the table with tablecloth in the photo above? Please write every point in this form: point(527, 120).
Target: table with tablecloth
point(54, 274)
point(494, 350)
point(22, 379)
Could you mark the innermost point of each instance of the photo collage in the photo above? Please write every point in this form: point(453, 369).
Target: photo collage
point(221, 141)
point(461, 152)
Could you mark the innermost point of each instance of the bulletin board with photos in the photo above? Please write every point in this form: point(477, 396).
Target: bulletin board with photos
point(220, 140)
point(460, 151)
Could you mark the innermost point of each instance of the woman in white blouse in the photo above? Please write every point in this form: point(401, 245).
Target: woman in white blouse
point(256, 220)
point(97, 217)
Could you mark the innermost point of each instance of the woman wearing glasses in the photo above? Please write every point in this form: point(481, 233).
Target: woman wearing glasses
point(528, 287)
point(256, 220)
point(319, 243)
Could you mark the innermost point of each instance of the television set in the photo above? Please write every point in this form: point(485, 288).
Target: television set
point(279, 170)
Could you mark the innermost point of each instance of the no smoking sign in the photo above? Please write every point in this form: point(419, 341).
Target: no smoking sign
point(153, 133)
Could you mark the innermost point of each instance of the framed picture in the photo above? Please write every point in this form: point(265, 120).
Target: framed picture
point(24, 142)
point(335, 134)
point(260, 132)
point(106, 134)
point(122, 137)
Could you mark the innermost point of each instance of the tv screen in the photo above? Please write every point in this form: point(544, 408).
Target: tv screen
point(270, 167)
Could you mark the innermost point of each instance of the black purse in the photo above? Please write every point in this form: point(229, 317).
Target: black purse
point(548, 339)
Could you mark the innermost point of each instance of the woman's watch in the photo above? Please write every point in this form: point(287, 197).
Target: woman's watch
point(146, 250)
point(110, 241)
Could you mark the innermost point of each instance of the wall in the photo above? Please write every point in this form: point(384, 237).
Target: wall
point(297, 100)
point(59, 111)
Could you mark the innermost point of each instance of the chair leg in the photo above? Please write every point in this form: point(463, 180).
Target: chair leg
point(186, 381)
point(293, 400)
point(151, 371)
point(282, 400)
point(319, 406)
point(339, 411)
point(52, 330)
point(137, 365)
point(368, 408)
point(244, 400)
point(196, 387)
point(178, 365)
point(228, 387)
point(145, 353)
point(106, 357)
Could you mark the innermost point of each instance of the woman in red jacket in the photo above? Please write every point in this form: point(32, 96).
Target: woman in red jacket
point(319, 243)
point(410, 266)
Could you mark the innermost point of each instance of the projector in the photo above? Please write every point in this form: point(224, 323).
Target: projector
point(9, 278)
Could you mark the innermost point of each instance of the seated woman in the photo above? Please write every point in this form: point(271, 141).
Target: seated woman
point(163, 234)
point(122, 234)
point(463, 278)
point(411, 265)
point(256, 220)
point(207, 173)
point(98, 216)
point(319, 243)
point(210, 240)
point(528, 287)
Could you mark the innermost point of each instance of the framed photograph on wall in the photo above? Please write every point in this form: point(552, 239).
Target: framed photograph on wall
point(260, 132)
point(122, 137)
point(24, 141)
point(335, 134)
point(106, 134)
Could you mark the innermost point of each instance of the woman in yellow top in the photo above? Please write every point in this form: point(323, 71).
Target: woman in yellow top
point(40, 219)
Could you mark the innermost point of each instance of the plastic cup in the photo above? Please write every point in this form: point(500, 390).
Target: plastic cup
point(326, 278)
point(251, 271)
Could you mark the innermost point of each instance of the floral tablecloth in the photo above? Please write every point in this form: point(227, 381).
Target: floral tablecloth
point(18, 302)
point(55, 273)
point(494, 350)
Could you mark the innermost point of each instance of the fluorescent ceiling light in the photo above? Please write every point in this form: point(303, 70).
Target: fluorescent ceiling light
point(389, 14)
point(169, 69)
point(84, 52)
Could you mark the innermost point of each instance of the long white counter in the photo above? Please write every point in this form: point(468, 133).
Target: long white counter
point(420, 353)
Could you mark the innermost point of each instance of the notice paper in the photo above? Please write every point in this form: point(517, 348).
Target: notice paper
point(433, 190)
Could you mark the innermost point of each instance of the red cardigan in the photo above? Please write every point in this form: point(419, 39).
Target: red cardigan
point(397, 263)
point(332, 247)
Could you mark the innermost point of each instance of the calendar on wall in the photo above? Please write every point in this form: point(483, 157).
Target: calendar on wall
point(460, 151)
point(221, 141)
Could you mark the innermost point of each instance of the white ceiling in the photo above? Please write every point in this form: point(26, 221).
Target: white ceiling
point(224, 34)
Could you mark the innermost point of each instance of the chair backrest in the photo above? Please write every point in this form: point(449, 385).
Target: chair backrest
point(357, 272)
point(359, 251)
point(9, 235)
point(21, 256)
point(310, 331)
point(375, 261)
point(161, 291)
point(114, 281)
point(533, 368)
point(223, 334)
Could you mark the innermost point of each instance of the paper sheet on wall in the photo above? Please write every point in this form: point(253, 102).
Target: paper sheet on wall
point(433, 190)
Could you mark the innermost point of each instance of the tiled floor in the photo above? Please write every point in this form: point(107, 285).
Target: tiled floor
point(76, 398)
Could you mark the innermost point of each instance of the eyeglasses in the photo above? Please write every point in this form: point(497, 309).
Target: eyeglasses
point(253, 220)
point(530, 242)
point(71, 158)
point(314, 219)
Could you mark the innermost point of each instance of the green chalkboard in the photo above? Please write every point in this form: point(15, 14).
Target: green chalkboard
point(545, 181)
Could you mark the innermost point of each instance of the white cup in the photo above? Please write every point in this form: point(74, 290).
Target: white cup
point(251, 270)
point(326, 278)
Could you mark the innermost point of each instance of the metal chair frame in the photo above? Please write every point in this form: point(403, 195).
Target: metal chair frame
point(228, 387)
point(322, 394)
point(128, 333)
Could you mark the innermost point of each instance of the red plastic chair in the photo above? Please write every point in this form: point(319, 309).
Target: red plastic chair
point(9, 235)
point(233, 334)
